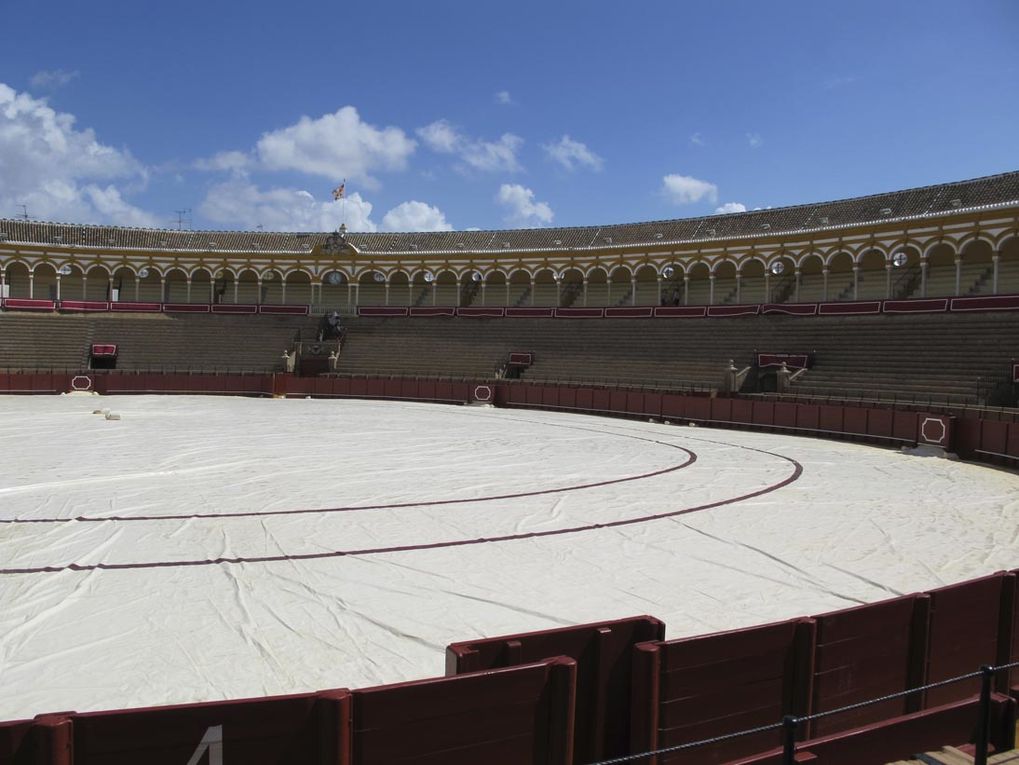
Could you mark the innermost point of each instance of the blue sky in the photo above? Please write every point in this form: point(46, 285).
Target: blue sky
point(467, 114)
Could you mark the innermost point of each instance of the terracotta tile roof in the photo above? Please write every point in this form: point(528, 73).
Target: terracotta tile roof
point(909, 203)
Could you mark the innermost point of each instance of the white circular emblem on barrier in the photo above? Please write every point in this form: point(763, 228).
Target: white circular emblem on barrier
point(936, 428)
point(81, 383)
point(482, 393)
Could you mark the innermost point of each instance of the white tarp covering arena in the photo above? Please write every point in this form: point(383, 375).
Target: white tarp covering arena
point(322, 544)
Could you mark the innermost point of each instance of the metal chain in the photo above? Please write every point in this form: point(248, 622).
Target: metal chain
point(805, 718)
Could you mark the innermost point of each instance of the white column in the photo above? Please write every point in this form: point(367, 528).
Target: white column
point(435, 289)
point(3, 281)
point(767, 285)
point(994, 282)
point(507, 291)
point(633, 290)
point(31, 284)
point(410, 292)
point(796, 294)
point(350, 294)
point(258, 291)
point(387, 291)
point(357, 295)
point(162, 289)
point(585, 292)
point(212, 289)
point(58, 286)
point(237, 284)
point(137, 286)
point(856, 282)
point(923, 277)
point(558, 292)
point(739, 288)
point(84, 286)
point(532, 290)
point(824, 275)
point(888, 281)
point(686, 289)
point(484, 300)
point(711, 289)
point(109, 290)
point(458, 293)
point(189, 289)
point(958, 275)
point(659, 279)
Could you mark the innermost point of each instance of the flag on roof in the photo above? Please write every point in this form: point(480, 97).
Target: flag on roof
point(339, 191)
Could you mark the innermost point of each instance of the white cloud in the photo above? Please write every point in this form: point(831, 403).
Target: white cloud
point(242, 204)
point(60, 172)
point(338, 145)
point(232, 161)
point(573, 154)
point(520, 205)
point(440, 136)
point(503, 97)
point(755, 140)
point(731, 207)
point(46, 79)
point(684, 190)
point(415, 216)
point(697, 139)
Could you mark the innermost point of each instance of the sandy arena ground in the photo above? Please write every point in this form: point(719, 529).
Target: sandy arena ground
point(206, 548)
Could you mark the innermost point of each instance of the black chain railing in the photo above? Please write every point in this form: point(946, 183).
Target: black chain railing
point(791, 724)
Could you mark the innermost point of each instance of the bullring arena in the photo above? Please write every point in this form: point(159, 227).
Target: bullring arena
point(768, 480)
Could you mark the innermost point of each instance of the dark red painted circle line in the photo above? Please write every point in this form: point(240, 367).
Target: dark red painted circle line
point(792, 477)
point(691, 458)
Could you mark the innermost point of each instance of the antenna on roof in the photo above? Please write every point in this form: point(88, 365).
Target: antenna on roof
point(260, 227)
point(24, 213)
point(183, 215)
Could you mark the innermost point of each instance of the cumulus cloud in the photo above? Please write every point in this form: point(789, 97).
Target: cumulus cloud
point(61, 172)
point(503, 97)
point(231, 161)
point(697, 139)
point(572, 154)
point(415, 216)
point(338, 145)
point(475, 153)
point(51, 79)
point(520, 205)
point(731, 207)
point(755, 140)
point(684, 189)
point(241, 204)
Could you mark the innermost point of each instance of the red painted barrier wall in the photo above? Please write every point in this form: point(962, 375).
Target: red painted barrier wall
point(698, 688)
point(863, 653)
point(604, 655)
point(508, 716)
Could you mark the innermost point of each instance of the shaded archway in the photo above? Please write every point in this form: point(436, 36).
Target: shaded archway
point(672, 285)
point(810, 287)
point(271, 287)
point(1008, 267)
point(149, 284)
point(470, 287)
point(16, 280)
point(246, 287)
point(201, 286)
point(371, 288)
point(754, 284)
point(976, 268)
point(546, 289)
point(96, 284)
point(334, 291)
point(596, 293)
point(422, 291)
point(726, 287)
point(399, 289)
point(175, 286)
point(519, 288)
point(873, 279)
point(493, 290)
point(840, 283)
point(905, 273)
point(571, 287)
point(941, 273)
point(446, 289)
point(620, 287)
point(44, 281)
point(125, 285)
point(70, 280)
point(646, 291)
point(697, 284)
